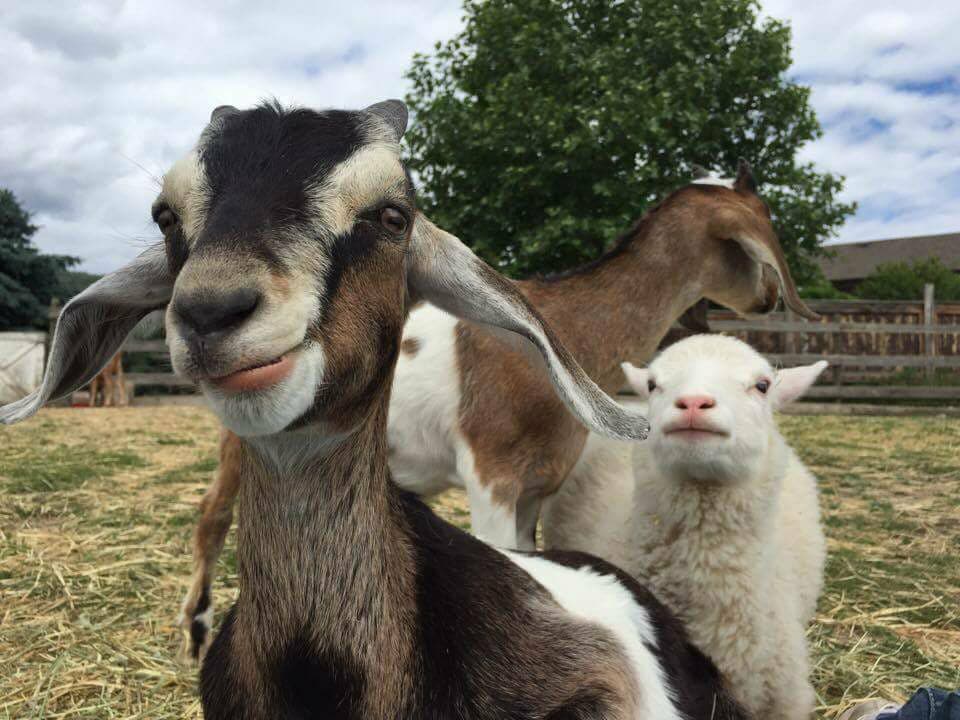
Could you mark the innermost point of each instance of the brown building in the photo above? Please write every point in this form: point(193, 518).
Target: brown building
point(852, 262)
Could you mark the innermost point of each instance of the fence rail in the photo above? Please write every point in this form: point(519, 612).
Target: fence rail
point(864, 342)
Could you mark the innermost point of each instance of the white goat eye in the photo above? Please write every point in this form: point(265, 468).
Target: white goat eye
point(393, 220)
point(166, 219)
point(763, 386)
point(651, 386)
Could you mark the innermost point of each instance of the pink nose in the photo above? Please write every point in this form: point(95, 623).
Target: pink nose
point(695, 403)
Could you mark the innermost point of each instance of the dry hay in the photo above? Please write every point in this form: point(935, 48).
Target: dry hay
point(99, 506)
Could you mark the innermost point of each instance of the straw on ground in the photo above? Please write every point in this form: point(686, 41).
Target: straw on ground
point(98, 507)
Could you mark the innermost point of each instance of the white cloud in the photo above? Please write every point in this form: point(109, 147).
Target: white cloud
point(97, 101)
point(886, 87)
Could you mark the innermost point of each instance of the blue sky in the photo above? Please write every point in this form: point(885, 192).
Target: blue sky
point(95, 103)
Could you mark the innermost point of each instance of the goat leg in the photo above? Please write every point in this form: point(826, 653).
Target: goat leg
point(216, 515)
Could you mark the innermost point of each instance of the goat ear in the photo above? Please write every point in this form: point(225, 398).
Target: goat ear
point(93, 326)
point(791, 384)
point(745, 182)
point(760, 243)
point(443, 271)
point(222, 111)
point(695, 317)
point(637, 378)
point(394, 113)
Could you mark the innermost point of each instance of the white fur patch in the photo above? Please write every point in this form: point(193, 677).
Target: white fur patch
point(715, 180)
point(185, 189)
point(271, 410)
point(422, 428)
point(602, 600)
point(370, 175)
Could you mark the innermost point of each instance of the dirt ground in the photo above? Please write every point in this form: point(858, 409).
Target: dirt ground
point(98, 507)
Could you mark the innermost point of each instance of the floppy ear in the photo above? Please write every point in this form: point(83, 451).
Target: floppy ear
point(93, 326)
point(791, 384)
point(443, 271)
point(760, 243)
point(637, 379)
point(695, 317)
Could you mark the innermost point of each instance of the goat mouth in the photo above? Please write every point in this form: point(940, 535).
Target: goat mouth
point(257, 377)
point(688, 432)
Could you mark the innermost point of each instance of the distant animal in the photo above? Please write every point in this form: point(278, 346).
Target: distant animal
point(109, 387)
point(715, 513)
point(293, 251)
point(470, 409)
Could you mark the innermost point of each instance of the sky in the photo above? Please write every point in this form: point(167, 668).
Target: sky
point(97, 102)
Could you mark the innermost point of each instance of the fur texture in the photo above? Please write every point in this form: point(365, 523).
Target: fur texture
point(724, 528)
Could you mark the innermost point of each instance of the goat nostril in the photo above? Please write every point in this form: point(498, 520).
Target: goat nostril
point(698, 402)
point(208, 313)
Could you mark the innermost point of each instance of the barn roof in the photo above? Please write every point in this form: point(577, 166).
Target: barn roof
point(854, 261)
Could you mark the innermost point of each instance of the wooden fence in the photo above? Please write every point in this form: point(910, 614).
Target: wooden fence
point(865, 342)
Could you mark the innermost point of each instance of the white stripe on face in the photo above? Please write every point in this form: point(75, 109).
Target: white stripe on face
point(371, 175)
point(186, 190)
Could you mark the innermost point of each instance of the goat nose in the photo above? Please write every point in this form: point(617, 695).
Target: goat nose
point(207, 312)
point(695, 402)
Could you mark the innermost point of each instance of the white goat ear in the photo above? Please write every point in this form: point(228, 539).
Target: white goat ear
point(791, 384)
point(443, 271)
point(93, 326)
point(637, 379)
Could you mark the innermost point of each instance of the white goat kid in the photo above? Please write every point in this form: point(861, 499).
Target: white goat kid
point(715, 512)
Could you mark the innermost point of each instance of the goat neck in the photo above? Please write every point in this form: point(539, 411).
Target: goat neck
point(324, 556)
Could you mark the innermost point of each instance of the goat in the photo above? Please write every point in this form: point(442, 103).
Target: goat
point(110, 385)
point(715, 512)
point(469, 410)
point(292, 253)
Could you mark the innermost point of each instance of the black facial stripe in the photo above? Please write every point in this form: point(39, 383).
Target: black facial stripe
point(261, 163)
point(345, 251)
point(177, 249)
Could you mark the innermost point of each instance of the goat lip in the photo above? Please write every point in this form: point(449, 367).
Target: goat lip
point(693, 432)
point(256, 377)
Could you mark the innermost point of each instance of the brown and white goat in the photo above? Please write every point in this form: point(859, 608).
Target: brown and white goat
point(293, 250)
point(470, 410)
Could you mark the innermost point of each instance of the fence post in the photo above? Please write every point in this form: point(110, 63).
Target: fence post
point(789, 338)
point(929, 339)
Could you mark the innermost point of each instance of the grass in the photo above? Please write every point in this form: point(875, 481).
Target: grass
point(98, 507)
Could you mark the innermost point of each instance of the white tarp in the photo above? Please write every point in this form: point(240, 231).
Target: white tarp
point(21, 364)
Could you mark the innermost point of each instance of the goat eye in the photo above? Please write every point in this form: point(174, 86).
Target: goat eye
point(651, 386)
point(393, 220)
point(166, 219)
point(763, 386)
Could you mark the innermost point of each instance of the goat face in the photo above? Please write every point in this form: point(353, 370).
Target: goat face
point(273, 226)
point(291, 251)
point(712, 399)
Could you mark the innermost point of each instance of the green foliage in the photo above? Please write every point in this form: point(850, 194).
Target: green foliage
point(28, 279)
point(547, 126)
point(817, 287)
point(902, 281)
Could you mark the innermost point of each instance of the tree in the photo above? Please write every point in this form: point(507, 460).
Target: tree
point(546, 127)
point(902, 281)
point(28, 278)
